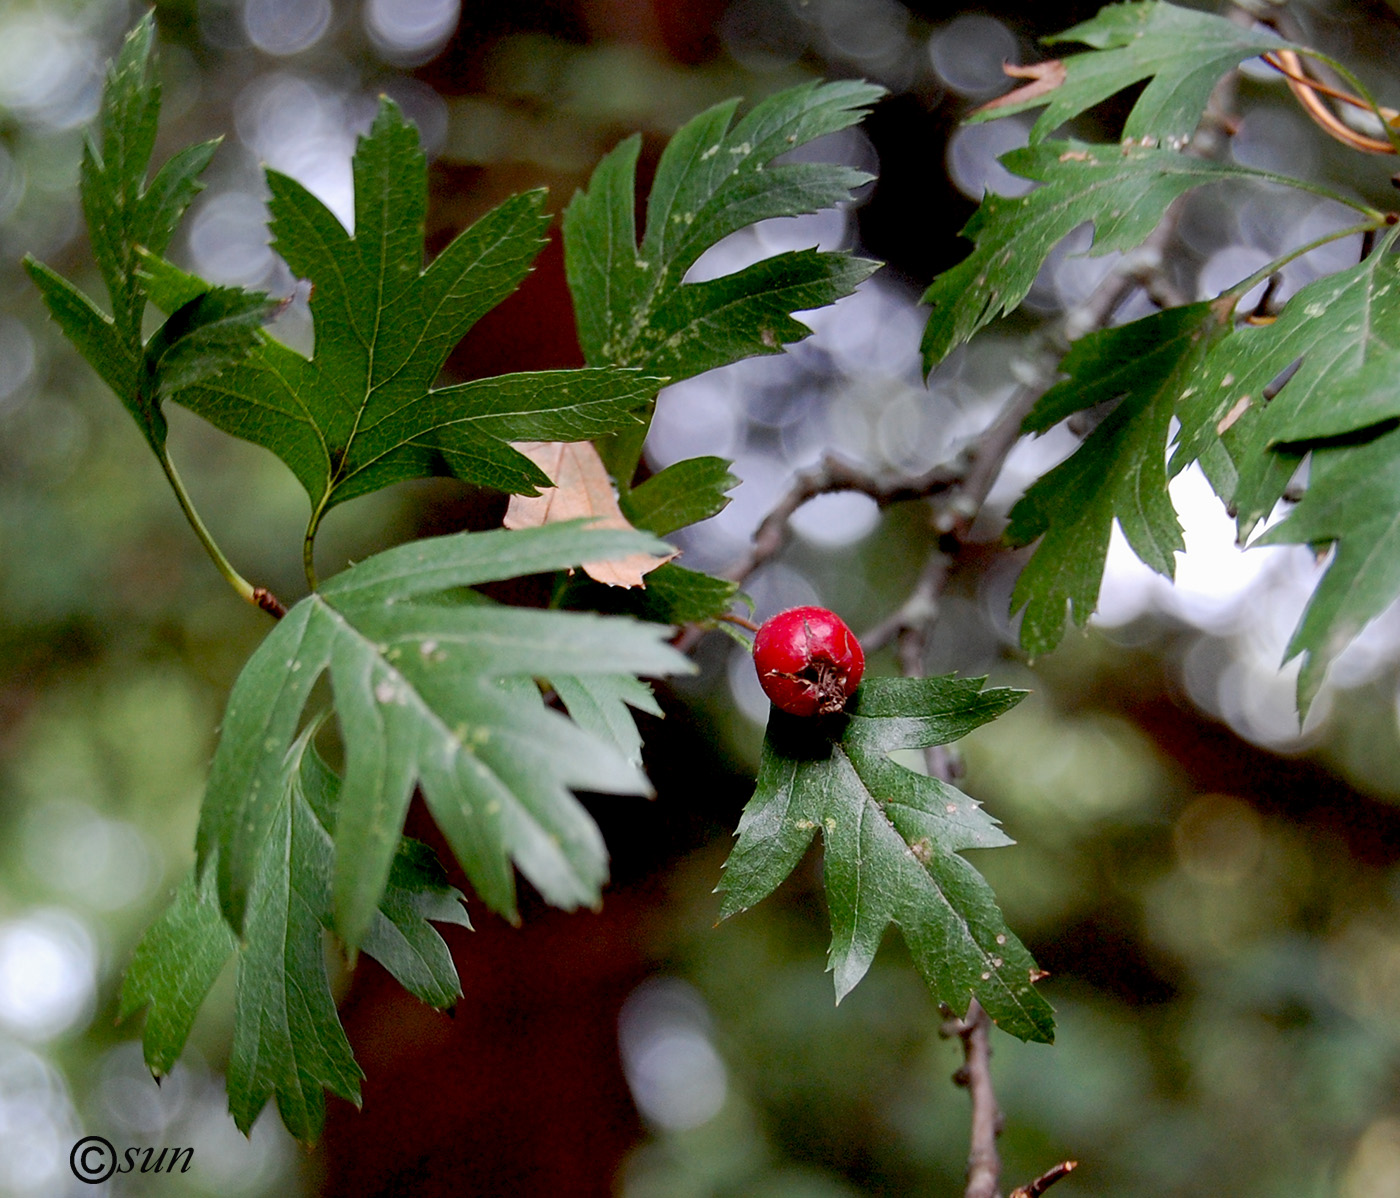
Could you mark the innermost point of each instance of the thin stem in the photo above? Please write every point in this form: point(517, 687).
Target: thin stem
point(308, 544)
point(1244, 285)
point(308, 555)
point(741, 621)
point(259, 597)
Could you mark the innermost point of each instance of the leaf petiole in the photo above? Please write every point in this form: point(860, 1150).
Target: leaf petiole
point(740, 621)
point(259, 597)
point(1246, 284)
point(308, 551)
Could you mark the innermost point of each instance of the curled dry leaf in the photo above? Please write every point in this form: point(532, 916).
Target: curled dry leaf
point(582, 489)
point(1044, 77)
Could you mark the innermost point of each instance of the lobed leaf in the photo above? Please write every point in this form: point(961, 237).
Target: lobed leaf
point(174, 967)
point(438, 696)
point(1118, 473)
point(1351, 503)
point(673, 595)
point(892, 841)
point(400, 936)
point(599, 705)
point(715, 177)
point(362, 412)
point(1182, 52)
point(288, 1041)
point(1340, 338)
point(1123, 193)
point(129, 220)
point(95, 335)
point(202, 338)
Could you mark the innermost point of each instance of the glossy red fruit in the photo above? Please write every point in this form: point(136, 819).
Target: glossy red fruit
point(808, 661)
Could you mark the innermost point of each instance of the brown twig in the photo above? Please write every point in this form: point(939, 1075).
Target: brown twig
point(908, 627)
point(909, 623)
point(983, 1161)
point(832, 475)
point(1033, 1189)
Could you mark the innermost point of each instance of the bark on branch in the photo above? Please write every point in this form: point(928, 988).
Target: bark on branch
point(983, 1161)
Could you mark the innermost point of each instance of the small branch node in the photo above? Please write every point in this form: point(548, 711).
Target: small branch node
point(1034, 1189)
point(269, 602)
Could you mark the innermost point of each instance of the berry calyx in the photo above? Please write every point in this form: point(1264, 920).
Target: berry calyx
point(808, 661)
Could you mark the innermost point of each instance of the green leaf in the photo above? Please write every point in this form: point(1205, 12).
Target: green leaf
point(214, 328)
point(1183, 52)
point(203, 338)
point(167, 286)
point(93, 333)
point(1352, 501)
point(287, 1037)
point(421, 700)
point(1122, 192)
point(712, 180)
point(400, 936)
point(287, 1040)
point(599, 705)
point(170, 193)
point(175, 964)
point(675, 595)
point(672, 595)
point(361, 413)
point(715, 177)
point(123, 214)
point(684, 493)
point(546, 405)
point(713, 323)
point(126, 219)
point(113, 172)
point(892, 841)
point(1119, 473)
point(1342, 333)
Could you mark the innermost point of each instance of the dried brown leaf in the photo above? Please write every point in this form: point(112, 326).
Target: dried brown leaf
point(1045, 77)
point(582, 490)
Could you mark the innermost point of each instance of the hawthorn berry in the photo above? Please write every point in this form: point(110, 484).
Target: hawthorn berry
point(808, 661)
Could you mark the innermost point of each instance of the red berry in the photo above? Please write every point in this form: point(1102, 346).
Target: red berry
point(808, 661)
